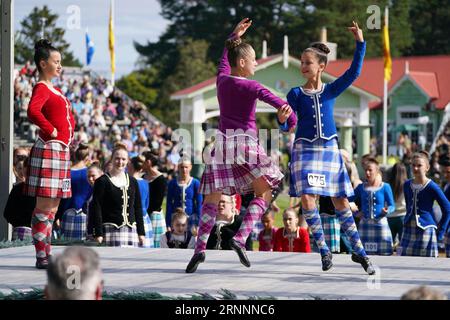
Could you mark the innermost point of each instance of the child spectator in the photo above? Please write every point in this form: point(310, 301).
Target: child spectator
point(19, 208)
point(266, 237)
point(179, 237)
point(291, 238)
point(228, 222)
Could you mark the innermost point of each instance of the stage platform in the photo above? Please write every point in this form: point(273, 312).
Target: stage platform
point(272, 274)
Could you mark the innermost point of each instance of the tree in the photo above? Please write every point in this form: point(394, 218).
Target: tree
point(138, 85)
point(192, 67)
point(31, 31)
point(430, 28)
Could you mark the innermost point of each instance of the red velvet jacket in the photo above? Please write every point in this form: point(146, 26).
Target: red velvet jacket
point(299, 243)
point(50, 109)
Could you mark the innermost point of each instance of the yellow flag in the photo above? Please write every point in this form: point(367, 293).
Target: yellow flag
point(386, 49)
point(111, 40)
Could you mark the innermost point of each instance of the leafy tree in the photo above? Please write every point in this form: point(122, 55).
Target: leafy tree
point(31, 31)
point(430, 28)
point(138, 85)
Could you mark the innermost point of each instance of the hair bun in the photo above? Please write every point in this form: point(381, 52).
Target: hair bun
point(43, 43)
point(322, 47)
point(425, 153)
point(232, 43)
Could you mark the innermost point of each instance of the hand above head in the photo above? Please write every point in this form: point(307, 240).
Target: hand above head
point(242, 26)
point(357, 32)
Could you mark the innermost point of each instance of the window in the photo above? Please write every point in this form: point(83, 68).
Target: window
point(409, 115)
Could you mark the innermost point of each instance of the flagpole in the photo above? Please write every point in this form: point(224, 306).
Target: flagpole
point(385, 95)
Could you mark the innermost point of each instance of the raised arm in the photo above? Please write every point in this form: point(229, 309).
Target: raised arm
point(344, 81)
point(239, 30)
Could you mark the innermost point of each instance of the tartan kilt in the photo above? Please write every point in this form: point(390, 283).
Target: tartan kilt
point(159, 227)
point(73, 225)
point(323, 160)
point(148, 243)
point(234, 163)
point(418, 242)
point(376, 236)
point(22, 233)
point(331, 231)
point(48, 173)
point(124, 236)
point(257, 228)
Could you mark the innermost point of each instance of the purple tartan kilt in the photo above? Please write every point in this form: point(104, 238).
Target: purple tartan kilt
point(120, 237)
point(48, 173)
point(21, 233)
point(235, 162)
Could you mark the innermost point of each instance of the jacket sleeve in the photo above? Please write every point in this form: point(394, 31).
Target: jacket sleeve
point(38, 99)
point(268, 97)
point(169, 203)
point(344, 81)
point(445, 209)
point(97, 202)
point(198, 199)
point(224, 65)
point(389, 199)
point(292, 101)
point(138, 209)
point(357, 194)
point(305, 245)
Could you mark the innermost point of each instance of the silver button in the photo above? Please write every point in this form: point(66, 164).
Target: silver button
point(322, 124)
point(314, 115)
point(314, 126)
point(321, 114)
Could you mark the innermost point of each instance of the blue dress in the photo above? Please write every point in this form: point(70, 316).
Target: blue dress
point(145, 199)
point(373, 228)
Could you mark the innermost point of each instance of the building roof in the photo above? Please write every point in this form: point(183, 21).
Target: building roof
point(431, 73)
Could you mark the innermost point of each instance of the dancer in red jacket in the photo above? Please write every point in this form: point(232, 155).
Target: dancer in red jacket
point(48, 177)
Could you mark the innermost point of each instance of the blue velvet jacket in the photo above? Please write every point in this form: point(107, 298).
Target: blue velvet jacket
point(419, 206)
point(315, 111)
point(372, 202)
point(192, 198)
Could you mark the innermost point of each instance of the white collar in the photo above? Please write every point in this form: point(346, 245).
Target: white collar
point(313, 93)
